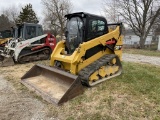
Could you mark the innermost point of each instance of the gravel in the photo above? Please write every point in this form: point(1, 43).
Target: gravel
point(15, 105)
point(141, 59)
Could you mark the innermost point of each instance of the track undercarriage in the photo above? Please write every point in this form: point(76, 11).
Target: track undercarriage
point(101, 70)
point(42, 54)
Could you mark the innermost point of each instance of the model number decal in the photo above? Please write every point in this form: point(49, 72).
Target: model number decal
point(51, 39)
point(24, 45)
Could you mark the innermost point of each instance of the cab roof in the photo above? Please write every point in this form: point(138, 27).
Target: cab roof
point(83, 15)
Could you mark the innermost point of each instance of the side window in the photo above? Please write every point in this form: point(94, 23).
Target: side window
point(96, 28)
point(101, 26)
point(30, 32)
point(94, 25)
point(40, 31)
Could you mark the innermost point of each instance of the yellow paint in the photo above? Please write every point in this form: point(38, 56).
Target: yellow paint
point(113, 61)
point(4, 40)
point(94, 76)
point(74, 63)
point(104, 71)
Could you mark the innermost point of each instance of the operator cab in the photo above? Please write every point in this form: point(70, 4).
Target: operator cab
point(5, 34)
point(27, 31)
point(82, 27)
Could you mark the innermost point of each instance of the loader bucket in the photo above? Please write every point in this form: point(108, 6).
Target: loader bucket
point(54, 85)
point(6, 61)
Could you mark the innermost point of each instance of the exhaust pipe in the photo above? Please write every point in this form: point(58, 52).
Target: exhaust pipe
point(54, 85)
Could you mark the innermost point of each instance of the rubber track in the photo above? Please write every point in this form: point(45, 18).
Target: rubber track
point(31, 53)
point(85, 73)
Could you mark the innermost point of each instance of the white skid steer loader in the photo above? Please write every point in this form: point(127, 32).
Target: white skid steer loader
point(28, 44)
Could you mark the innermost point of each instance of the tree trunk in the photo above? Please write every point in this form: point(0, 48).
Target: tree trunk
point(142, 41)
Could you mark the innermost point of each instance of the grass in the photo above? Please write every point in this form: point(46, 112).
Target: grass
point(133, 95)
point(142, 52)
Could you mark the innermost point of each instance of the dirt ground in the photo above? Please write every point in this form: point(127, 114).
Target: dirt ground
point(17, 103)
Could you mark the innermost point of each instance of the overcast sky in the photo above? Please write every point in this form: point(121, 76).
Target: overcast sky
point(90, 6)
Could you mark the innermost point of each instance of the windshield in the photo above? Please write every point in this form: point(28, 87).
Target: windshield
point(30, 32)
point(74, 33)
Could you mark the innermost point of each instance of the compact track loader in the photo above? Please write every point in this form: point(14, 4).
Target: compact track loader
point(90, 55)
point(28, 44)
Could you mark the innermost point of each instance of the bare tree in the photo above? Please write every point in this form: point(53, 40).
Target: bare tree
point(5, 23)
point(12, 12)
point(50, 24)
point(140, 15)
point(110, 10)
point(54, 11)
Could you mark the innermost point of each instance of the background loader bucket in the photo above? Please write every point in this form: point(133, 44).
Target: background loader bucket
point(6, 61)
point(54, 85)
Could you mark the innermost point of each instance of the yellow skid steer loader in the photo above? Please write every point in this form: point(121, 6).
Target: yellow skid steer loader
point(5, 36)
point(90, 55)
